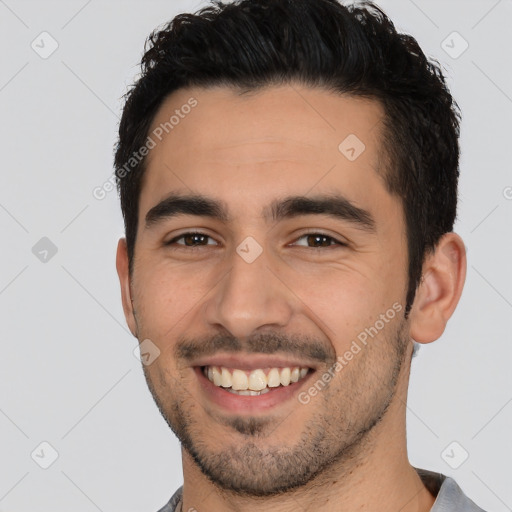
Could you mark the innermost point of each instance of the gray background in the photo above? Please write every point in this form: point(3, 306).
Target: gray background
point(68, 373)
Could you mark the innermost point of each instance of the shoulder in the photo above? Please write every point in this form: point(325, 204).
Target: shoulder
point(173, 502)
point(449, 496)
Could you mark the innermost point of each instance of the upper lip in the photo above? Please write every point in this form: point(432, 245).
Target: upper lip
point(252, 361)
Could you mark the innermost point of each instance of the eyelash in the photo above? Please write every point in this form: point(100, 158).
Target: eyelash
point(311, 233)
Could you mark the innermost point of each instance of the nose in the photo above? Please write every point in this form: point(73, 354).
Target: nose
point(250, 297)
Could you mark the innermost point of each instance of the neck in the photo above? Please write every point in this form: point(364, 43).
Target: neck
point(376, 476)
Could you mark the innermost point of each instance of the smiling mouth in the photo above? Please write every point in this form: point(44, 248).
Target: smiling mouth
point(255, 382)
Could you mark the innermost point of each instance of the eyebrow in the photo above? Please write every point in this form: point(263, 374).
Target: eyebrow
point(333, 205)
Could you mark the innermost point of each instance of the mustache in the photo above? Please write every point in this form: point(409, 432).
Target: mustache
point(189, 349)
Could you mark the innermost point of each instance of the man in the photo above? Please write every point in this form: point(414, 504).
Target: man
point(288, 178)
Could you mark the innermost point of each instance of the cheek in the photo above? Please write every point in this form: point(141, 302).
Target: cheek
point(345, 301)
point(335, 298)
point(170, 303)
point(167, 293)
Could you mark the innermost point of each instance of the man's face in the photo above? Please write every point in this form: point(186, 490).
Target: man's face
point(271, 285)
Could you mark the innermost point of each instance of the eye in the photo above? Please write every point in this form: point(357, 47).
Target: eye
point(312, 240)
point(318, 240)
point(192, 239)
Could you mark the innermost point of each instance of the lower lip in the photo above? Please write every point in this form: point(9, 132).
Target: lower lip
point(249, 404)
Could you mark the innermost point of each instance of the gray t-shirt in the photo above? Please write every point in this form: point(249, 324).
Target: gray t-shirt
point(450, 497)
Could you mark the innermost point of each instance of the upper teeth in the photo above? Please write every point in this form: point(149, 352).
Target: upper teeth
point(256, 380)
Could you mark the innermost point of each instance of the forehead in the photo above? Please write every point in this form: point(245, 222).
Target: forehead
point(248, 148)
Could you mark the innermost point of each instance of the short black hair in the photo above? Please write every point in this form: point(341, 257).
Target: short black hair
point(353, 50)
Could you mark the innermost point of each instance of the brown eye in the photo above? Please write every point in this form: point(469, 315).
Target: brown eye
point(318, 240)
point(191, 239)
point(194, 239)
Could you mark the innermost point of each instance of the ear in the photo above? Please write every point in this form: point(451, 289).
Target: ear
point(124, 280)
point(443, 276)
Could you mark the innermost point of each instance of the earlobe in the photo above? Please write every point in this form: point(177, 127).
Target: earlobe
point(439, 291)
point(122, 267)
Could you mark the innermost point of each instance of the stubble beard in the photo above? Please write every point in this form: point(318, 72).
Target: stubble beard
point(247, 461)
